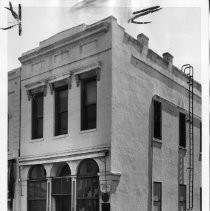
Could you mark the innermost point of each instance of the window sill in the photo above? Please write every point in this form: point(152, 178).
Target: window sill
point(157, 140)
point(182, 148)
point(37, 140)
point(60, 136)
point(87, 131)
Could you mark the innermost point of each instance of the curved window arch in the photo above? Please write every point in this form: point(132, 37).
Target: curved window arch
point(37, 188)
point(88, 186)
point(61, 189)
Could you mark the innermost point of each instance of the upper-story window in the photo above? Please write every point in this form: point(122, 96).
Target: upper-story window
point(200, 137)
point(182, 130)
point(182, 197)
point(157, 195)
point(157, 120)
point(88, 103)
point(61, 110)
point(37, 115)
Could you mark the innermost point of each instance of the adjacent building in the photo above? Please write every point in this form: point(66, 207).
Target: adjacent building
point(104, 125)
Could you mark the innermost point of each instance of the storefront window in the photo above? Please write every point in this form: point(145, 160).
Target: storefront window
point(37, 189)
point(61, 189)
point(88, 186)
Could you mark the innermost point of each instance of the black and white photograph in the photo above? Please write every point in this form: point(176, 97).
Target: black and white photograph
point(105, 105)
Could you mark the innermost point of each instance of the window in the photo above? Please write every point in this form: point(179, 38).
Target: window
point(37, 115)
point(88, 103)
point(182, 130)
point(61, 189)
point(157, 120)
point(157, 196)
point(88, 186)
point(37, 189)
point(200, 199)
point(200, 137)
point(182, 197)
point(61, 110)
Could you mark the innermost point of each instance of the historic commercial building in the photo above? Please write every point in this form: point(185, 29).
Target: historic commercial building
point(105, 125)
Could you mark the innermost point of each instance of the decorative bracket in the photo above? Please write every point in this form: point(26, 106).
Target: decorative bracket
point(86, 73)
point(30, 90)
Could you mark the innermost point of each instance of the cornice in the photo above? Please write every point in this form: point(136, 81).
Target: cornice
point(88, 32)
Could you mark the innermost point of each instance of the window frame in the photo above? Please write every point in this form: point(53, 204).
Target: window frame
point(157, 202)
point(157, 129)
point(57, 118)
point(34, 118)
point(84, 121)
point(182, 130)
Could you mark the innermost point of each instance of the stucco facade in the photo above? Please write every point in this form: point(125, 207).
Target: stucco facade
point(130, 76)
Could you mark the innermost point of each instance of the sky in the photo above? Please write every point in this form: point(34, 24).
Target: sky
point(175, 30)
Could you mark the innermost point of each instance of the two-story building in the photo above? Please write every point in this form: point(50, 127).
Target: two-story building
point(104, 125)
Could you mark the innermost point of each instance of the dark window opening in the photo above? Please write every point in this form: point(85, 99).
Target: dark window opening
point(182, 197)
point(157, 120)
point(182, 130)
point(37, 189)
point(200, 137)
point(88, 186)
point(88, 103)
point(61, 189)
point(157, 195)
point(37, 116)
point(61, 110)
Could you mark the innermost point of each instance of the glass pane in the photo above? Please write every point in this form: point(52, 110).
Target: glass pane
point(182, 193)
point(66, 186)
point(39, 104)
point(31, 192)
point(65, 171)
point(56, 186)
point(157, 208)
point(157, 120)
point(39, 128)
point(88, 168)
point(157, 191)
point(63, 100)
point(64, 122)
point(182, 207)
point(91, 113)
point(91, 93)
point(87, 205)
point(43, 190)
point(37, 172)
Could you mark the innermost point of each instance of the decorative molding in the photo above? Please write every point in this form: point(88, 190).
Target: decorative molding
point(35, 88)
point(88, 71)
point(59, 81)
point(93, 152)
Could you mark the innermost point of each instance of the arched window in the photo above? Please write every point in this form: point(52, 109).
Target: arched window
point(37, 189)
point(61, 189)
point(88, 186)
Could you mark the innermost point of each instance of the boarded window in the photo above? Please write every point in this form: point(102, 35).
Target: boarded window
point(37, 116)
point(88, 101)
point(182, 130)
point(157, 196)
point(157, 120)
point(61, 110)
